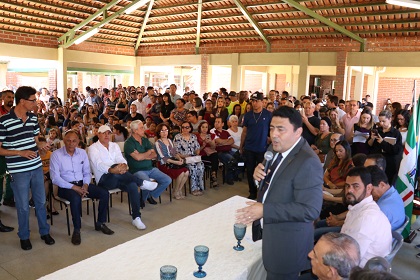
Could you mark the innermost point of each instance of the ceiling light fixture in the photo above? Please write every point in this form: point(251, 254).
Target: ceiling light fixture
point(136, 6)
point(415, 4)
point(86, 35)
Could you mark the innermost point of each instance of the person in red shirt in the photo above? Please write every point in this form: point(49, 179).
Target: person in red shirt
point(224, 142)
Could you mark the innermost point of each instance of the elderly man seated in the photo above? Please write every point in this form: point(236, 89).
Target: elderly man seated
point(365, 221)
point(333, 256)
point(111, 171)
point(70, 171)
point(139, 153)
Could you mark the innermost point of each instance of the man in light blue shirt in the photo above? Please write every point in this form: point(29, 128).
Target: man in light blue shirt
point(387, 197)
point(70, 171)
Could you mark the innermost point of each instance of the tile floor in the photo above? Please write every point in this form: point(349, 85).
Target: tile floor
point(43, 259)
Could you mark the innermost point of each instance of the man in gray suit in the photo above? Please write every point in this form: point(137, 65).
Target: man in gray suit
point(289, 199)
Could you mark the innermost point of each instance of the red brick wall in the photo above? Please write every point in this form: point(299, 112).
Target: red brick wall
point(205, 61)
point(314, 45)
point(27, 39)
point(397, 89)
point(103, 48)
point(340, 74)
point(365, 85)
point(51, 42)
point(353, 83)
point(253, 46)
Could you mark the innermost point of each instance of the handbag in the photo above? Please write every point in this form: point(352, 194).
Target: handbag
point(175, 166)
point(192, 159)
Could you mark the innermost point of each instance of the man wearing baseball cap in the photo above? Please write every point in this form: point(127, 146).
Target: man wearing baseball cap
point(254, 138)
point(111, 171)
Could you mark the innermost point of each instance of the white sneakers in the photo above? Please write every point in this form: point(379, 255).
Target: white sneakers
point(138, 223)
point(148, 185)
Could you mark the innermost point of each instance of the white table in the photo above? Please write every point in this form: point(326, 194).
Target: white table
point(174, 244)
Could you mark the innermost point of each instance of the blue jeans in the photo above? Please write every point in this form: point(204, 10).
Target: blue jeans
point(126, 182)
point(161, 178)
point(321, 228)
point(21, 183)
point(76, 203)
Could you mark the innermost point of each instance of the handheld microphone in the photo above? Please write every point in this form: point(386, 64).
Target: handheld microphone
point(268, 156)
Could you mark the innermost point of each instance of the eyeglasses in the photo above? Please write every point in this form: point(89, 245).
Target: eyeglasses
point(186, 127)
point(32, 100)
point(164, 130)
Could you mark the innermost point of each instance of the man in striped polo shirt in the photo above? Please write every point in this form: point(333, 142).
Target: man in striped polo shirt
point(19, 132)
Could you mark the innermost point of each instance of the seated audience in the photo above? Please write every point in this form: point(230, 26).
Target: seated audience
point(322, 141)
point(120, 133)
point(134, 115)
point(208, 151)
point(235, 131)
point(387, 197)
point(224, 143)
point(111, 171)
point(334, 255)
point(365, 222)
point(70, 171)
point(193, 119)
point(166, 154)
point(139, 153)
point(187, 145)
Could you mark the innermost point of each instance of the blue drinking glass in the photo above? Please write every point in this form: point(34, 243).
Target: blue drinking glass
point(168, 272)
point(201, 253)
point(239, 230)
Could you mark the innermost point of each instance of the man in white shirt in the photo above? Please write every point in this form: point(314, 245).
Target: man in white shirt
point(365, 221)
point(150, 93)
point(141, 105)
point(172, 93)
point(111, 171)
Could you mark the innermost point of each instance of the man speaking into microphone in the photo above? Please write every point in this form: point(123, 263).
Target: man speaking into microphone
point(289, 199)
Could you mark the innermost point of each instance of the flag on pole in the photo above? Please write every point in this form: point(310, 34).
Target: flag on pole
point(407, 173)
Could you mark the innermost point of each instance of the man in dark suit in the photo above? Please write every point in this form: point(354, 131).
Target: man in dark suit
point(289, 199)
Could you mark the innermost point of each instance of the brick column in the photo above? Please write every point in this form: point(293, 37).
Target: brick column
point(341, 75)
point(204, 81)
point(80, 82)
point(52, 80)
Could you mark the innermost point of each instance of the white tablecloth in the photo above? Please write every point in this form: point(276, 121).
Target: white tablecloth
point(174, 244)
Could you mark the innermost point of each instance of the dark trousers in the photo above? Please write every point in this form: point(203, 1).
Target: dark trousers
point(76, 203)
point(214, 160)
point(127, 182)
point(252, 159)
point(276, 276)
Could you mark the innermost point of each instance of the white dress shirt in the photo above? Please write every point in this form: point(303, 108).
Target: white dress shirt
point(369, 226)
point(141, 107)
point(101, 158)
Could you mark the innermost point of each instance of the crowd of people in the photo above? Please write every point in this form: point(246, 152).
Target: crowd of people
point(138, 137)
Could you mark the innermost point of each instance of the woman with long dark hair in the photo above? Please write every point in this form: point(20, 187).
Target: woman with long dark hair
point(166, 108)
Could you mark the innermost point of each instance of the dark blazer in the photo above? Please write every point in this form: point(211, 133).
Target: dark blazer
point(293, 202)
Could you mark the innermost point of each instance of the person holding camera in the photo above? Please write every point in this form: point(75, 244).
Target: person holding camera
point(387, 140)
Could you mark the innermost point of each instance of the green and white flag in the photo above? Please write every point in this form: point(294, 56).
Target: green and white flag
point(407, 173)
